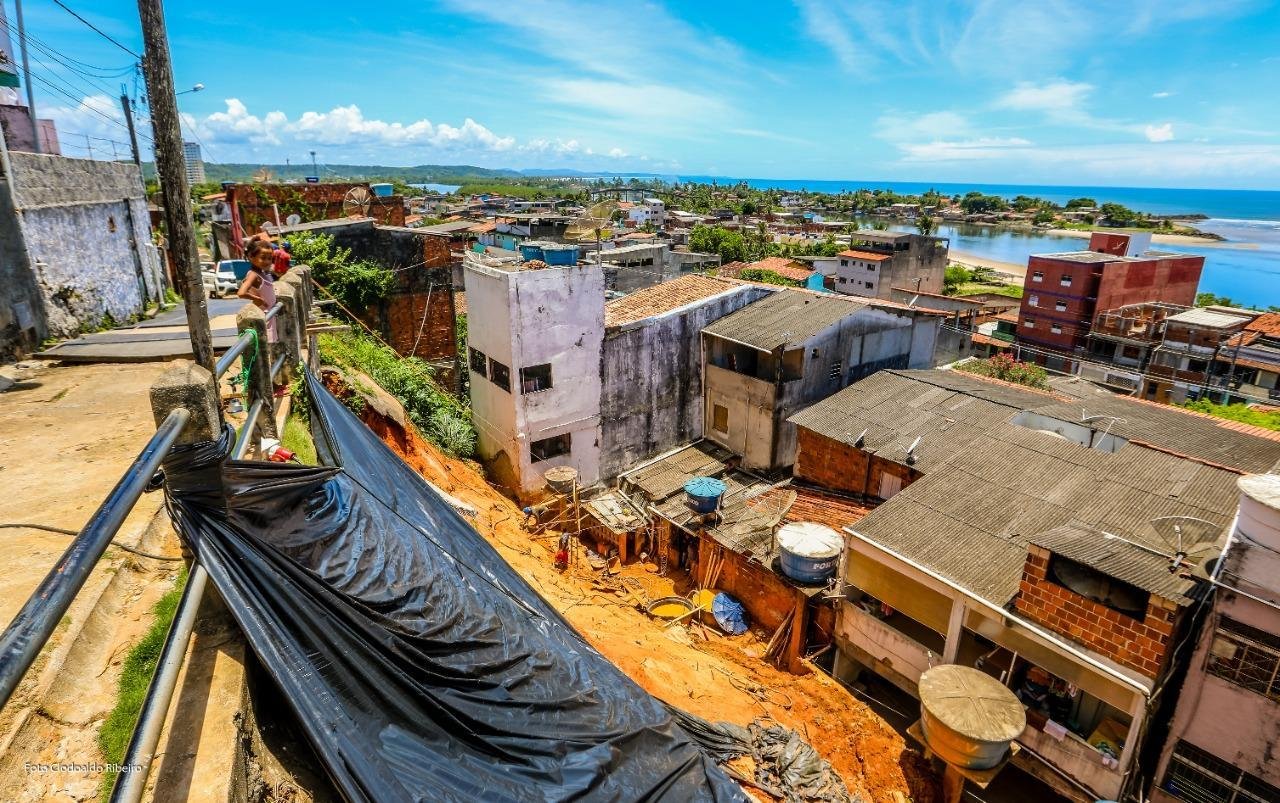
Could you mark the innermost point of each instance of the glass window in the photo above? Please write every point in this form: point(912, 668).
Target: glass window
point(1247, 657)
point(1066, 280)
point(1057, 330)
point(535, 378)
point(1199, 776)
point(548, 448)
point(1060, 306)
point(1037, 276)
point(500, 375)
point(1033, 300)
point(479, 363)
point(1029, 323)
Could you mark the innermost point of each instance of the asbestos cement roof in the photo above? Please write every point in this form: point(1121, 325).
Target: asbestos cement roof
point(665, 297)
point(1117, 558)
point(1208, 318)
point(785, 318)
point(666, 475)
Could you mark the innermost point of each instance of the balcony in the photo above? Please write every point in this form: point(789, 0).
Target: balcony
point(1075, 757)
point(893, 648)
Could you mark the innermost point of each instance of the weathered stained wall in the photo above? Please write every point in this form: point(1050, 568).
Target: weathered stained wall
point(651, 394)
point(258, 203)
point(842, 467)
point(83, 226)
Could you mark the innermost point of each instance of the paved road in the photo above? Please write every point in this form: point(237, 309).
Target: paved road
point(161, 338)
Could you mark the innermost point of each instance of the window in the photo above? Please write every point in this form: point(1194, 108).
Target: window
point(548, 448)
point(500, 375)
point(844, 263)
point(1029, 323)
point(1056, 329)
point(871, 268)
point(1247, 657)
point(843, 280)
point(535, 378)
point(1037, 276)
point(479, 363)
point(837, 370)
point(1033, 301)
point(720, 418)
point(869, 284)
point(1060, 306)
point(1066, 280)
point(1201, 777)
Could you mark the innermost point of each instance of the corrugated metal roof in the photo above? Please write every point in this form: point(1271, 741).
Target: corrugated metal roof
point(784, 318)
point(1203, 317)
point(1116, 558)
point(665, 476)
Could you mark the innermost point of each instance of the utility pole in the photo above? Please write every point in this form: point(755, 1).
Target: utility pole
point(315, 171)
point(128, 118)
point(26, 78)
point(171, 169)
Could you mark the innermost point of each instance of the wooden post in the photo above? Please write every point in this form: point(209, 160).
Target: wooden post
point(260, 385)
point(799, 624)
point(171, 169)
point(289, 326)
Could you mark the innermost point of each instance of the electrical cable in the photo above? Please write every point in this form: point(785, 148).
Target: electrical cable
point(96, 29)
point(64, 531)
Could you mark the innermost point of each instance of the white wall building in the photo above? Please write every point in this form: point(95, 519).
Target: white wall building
point(651, 211)
point(535, 339)
point(195, 167)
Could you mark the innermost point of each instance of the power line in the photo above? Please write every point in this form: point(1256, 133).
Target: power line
point(96, 29)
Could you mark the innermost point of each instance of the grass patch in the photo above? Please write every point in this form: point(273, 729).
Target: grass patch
point(440, 416)
point(971, 288)
point(1267, 419)
point(139, 666)
point(297, 439)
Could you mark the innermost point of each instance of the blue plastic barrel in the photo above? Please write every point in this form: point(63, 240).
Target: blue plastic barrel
point(704, 494)
point(809, 552)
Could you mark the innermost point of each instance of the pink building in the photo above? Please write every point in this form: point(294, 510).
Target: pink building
point(1225, 730)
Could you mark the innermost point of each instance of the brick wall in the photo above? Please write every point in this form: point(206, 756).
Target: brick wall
point(310, 201)
point(1172, 279)
point(841, 467)
point(1140, 645)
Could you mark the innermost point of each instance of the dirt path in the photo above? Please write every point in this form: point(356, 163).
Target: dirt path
point(720, 679)
point(66, 435)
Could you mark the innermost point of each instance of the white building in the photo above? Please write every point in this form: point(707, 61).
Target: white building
point(651, 211)
point(195, 167)
point(534, 344)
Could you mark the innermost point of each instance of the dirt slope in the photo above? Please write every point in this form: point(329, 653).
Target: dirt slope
point(719, 678)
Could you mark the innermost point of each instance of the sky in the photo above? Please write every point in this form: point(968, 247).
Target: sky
point(1158, 93)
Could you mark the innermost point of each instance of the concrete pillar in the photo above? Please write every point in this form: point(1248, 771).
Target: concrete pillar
point(288, 330)
point(193, 387)
point(260, 385)
point(955, 631)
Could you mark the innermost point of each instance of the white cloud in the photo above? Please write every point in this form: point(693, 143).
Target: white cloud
point(897, 126)
point(962, 150)
point(1056, 98)
point(1159, 133)
point(1161, 94)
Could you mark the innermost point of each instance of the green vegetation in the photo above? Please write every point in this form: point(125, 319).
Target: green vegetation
point(1237, 412)
point(730, 245)
point(135, 677)
point(297, 439)
point(1007, 369)
point(356, 283)
point(768, 277)
point(441, 417)
point(961, 281)
point(1211, 300)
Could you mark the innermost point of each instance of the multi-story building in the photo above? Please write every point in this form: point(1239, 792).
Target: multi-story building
point(779, 355)
point(1250, 362)
point(1064, 292)
point(1225, 730)
point(652, 212)
point(1185, 365)
point(195, 166)
point(878, 261)
point(1042, 537)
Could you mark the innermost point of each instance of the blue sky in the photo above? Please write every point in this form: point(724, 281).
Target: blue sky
point(1145, 93)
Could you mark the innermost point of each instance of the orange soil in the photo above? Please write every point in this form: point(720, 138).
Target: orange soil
point(716, 677)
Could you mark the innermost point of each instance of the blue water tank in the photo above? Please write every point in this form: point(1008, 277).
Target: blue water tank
point(382, 190)
point(809, 552)
point(703, 494)
point(530, 251)
point(557, 254)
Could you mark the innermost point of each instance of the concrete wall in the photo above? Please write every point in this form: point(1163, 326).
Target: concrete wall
point(651, 397)
point(750, 404)
point(83, 226)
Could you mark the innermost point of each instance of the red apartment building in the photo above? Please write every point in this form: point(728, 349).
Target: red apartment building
point(1063, 292)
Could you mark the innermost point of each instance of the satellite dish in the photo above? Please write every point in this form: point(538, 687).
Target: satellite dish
point(593, 225)
point(356, 202)
point(293, 219)
point(1187, 538)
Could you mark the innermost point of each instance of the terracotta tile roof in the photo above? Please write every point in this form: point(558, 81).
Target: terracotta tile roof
point(833, 510)
point(638, 235)
point(867, 255)
point(787, 268)
point(664, 297)
point(987, 340)
point(1267, 324)
point(481, 228)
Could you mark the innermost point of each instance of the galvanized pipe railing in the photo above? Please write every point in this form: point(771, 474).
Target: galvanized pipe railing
point(27, 634)
point(129, 786)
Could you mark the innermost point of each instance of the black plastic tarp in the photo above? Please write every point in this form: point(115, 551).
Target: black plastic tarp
point(420, 665)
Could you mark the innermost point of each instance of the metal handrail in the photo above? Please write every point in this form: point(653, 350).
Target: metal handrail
point(224, 362)
point(277, 365)
point(275, 310)
point(155, 707)
point(27, 634)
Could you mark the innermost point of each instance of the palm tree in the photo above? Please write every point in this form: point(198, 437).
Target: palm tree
point(925, 225)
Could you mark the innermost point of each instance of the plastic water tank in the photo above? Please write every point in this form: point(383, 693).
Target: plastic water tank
point(810, 552)
point(531, 251)
point(382, 190)
point(558, 254)
point(967, 717)
point(703, 494)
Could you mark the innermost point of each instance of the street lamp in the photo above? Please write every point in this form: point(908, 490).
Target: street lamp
point(195, 88)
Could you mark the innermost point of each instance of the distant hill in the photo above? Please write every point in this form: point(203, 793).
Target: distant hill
point(420, 174)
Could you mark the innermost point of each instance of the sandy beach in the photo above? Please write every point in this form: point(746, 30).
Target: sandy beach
point(975, 261)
